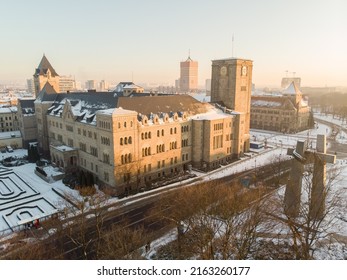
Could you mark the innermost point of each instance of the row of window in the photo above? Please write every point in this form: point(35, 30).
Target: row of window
point(218, 126)
point(160, 148)
point(56, 124)
point(106, 158)
point(105, 125)
point(146, 135)
point(185, 157)
point(127, 158)
point(105, 141)
point(218, 142)
point(185, 128)
point(9, 118)
point(146, 151)
point(90, 133)
point(173, 130)
point(7, 124)
point(185, 142)
point(126, 141)
point(173, 145)
point(125, 124)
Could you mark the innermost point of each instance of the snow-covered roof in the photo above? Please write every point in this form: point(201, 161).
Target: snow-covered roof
point(292, 89)
point(212, 114)
point(4, 110)
point(115, 111)
point(10, 134)
point(265, 103)
point(64, 148)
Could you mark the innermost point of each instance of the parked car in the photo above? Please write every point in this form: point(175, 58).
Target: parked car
point(9, 149)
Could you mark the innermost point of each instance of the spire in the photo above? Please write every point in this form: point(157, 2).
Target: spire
point(44, 66)
point(189, 59)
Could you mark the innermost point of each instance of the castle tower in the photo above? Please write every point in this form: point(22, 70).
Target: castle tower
point(231, 86)
point(45, 73)
point(189, 75)
point(293, 92)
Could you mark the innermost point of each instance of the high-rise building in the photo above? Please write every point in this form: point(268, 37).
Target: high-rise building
point(31, 86)
point(66, 83)
point(91, 84)
point(231, 87)
point(189, 75)
point(45, 73)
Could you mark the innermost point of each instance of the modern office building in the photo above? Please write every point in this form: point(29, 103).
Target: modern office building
point(189, 75)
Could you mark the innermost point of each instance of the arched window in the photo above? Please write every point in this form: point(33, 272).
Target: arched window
point(125, 124)
point(122, 159)
point(171, 130)
point(142, 136)
point(129, 140)
point(125, 141)
point(149, 151)
point(129, 157)
point(131, 124)
point(175, 130)
point(143, 152)
point(121, 140)
point(158, 133)
point(149, 135)
point(146, 135)
point(163, 148)
point(162, 132)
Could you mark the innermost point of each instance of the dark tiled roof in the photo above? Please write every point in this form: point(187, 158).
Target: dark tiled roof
point(44, 66)
point(26, 103)
point(165, 103)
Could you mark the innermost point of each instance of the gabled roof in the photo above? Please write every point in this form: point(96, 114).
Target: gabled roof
point(44, 66)
point(292, 89)
point(47, 93)
point(271, 102)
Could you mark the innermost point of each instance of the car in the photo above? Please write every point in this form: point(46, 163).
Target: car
point(9, 149)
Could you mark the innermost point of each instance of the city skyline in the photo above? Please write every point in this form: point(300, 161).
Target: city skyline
point(145, 41)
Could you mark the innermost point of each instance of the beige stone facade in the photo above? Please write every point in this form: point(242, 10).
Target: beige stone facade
point(129, 139)
point(45, 73)
point(125, 146)
point(231, 87)
point(8, 119)
point(286, 112)
point(27, 121)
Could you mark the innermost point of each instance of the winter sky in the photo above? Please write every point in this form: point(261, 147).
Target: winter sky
point(116, 40)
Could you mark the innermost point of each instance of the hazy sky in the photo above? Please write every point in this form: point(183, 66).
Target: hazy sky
point(110, 39)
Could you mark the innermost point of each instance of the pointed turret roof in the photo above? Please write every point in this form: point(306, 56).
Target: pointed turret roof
point(46, 90)
point(292, 89)
point(44, 66)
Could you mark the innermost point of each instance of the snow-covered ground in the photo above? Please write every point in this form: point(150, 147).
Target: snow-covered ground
point(277, 145)
point(25, 196)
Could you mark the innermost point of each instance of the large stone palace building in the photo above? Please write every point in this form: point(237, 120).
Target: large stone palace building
point(284, 112)
point(126, 140)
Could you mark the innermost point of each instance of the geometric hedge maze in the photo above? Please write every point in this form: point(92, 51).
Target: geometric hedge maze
point(20, 202)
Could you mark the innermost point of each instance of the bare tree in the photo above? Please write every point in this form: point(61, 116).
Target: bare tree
point(306, 230)
point(122, 242)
